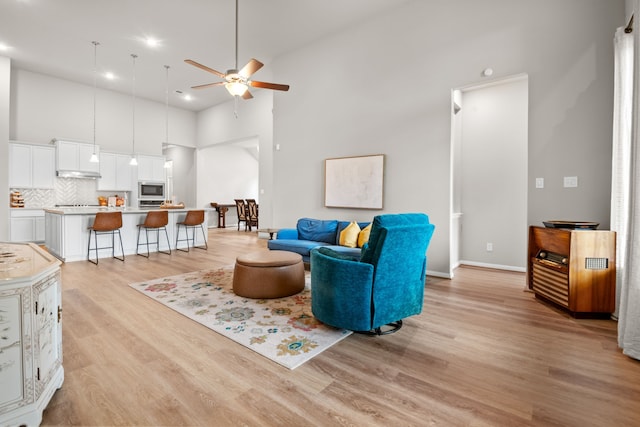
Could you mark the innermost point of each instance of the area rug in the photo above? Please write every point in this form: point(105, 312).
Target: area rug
point(282, 329)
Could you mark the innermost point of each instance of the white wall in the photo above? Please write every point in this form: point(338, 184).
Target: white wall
point(218, 125)
point(183, 174)
point(384, 87)
point(227, 172)
point(43, 108)
point(5, 78)
point(493, 172)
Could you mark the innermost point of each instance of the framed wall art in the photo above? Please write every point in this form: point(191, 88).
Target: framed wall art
point(354, 182)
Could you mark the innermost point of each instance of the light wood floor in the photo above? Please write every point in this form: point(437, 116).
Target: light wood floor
point(482, 353)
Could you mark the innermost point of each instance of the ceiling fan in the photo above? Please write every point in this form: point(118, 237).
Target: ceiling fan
point(237, 81)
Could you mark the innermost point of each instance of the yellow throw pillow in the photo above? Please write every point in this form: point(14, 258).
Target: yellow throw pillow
point(363, 236)
point(349, 236)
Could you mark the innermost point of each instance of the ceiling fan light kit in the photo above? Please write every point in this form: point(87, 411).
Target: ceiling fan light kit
point(236, 81)
point(236, 88)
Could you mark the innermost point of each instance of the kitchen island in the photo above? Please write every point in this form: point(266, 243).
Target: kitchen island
point(67, 234)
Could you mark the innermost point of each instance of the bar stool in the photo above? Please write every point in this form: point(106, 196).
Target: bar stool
point(155, 220)
point(106, 223)
point(191, 221)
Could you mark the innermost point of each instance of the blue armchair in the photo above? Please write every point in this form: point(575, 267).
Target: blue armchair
point(380, 289)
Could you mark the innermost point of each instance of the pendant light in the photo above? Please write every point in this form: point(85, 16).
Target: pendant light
point(134, 161)
point(94, 157)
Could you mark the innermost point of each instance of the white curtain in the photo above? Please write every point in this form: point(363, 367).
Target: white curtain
point(625, 192)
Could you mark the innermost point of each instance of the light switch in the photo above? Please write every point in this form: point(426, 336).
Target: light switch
point(539, 182)
point(570, 181)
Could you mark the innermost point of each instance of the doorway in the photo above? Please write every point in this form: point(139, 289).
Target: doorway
point(489, 152)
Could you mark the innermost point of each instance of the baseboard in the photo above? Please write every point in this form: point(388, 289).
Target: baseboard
point(439, 274)
point(494, 266)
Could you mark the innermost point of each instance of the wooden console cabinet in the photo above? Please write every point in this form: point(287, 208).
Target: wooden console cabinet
point(31, 342)
point(575, 269)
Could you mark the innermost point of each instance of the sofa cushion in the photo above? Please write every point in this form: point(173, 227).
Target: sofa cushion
point(349, 236)
point(317, 230)
point(302, 247)
point(344, 224)
point(329, 251)
point(349, 253)
point(363, 236)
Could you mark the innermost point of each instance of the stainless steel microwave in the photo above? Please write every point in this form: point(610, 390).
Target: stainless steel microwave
point(151, 190)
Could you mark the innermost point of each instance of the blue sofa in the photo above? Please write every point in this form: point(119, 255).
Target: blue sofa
point(312, 233)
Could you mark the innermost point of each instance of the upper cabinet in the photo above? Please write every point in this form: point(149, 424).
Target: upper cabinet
point(31, 166)
point(115, 172)
point(151, 168)
point(74, 156)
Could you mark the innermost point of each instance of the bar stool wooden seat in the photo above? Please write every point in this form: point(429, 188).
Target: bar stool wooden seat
point(155, 220)
point(106, 223)
point(193, 220)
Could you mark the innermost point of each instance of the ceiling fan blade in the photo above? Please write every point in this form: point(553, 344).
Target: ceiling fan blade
point(251, 67)
point(265, 85)
point(205, 68)
point(247, 95)
point(207, 85)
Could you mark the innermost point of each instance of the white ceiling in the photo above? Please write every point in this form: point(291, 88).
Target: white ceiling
point(54, 37)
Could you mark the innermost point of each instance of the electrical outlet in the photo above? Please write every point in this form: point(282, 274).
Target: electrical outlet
point(489, 247)
point(570, 181)
point(539, 182)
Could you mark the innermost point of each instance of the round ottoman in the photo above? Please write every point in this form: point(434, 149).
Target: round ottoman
point(268, 274)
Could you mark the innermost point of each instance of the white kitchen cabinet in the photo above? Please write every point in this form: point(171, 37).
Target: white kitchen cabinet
point(27, 225)
point(19, 166)
point(115, 172)
point(31, 166)
point(151, 168)
point(74, 156)
point(31, 346)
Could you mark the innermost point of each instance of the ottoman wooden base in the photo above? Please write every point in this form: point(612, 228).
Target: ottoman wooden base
point(268, 274)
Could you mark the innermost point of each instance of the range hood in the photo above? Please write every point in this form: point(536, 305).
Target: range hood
point(78, 174)
point(70, 156)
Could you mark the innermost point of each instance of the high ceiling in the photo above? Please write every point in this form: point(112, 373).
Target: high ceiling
point(54, 38)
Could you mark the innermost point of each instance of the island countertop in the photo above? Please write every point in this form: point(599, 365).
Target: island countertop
point(92, 210)
point(67, 230)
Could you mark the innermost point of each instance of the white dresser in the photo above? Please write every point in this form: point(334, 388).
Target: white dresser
point(30, 333)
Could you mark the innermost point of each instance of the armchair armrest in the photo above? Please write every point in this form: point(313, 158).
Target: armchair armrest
point(341, 290)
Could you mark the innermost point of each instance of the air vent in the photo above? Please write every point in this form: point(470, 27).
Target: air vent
point(596, 263)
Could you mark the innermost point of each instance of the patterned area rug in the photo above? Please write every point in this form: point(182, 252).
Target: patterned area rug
point(282, 329)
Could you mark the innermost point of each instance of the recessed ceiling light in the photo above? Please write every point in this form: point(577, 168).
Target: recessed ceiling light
point(151, 42)
point(187, 97)
point(3, 47)
point(109, 75)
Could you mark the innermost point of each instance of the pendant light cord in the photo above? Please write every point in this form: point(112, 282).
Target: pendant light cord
point(95, 85)
point(166, 137)
point(133, 106)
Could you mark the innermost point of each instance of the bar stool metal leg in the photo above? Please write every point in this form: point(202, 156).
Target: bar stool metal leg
point(105, 223)
point(155, 220)
point(193, 219)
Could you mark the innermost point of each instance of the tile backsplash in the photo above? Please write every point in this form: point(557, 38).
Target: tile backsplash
point(37, 198)
point(67, 191)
